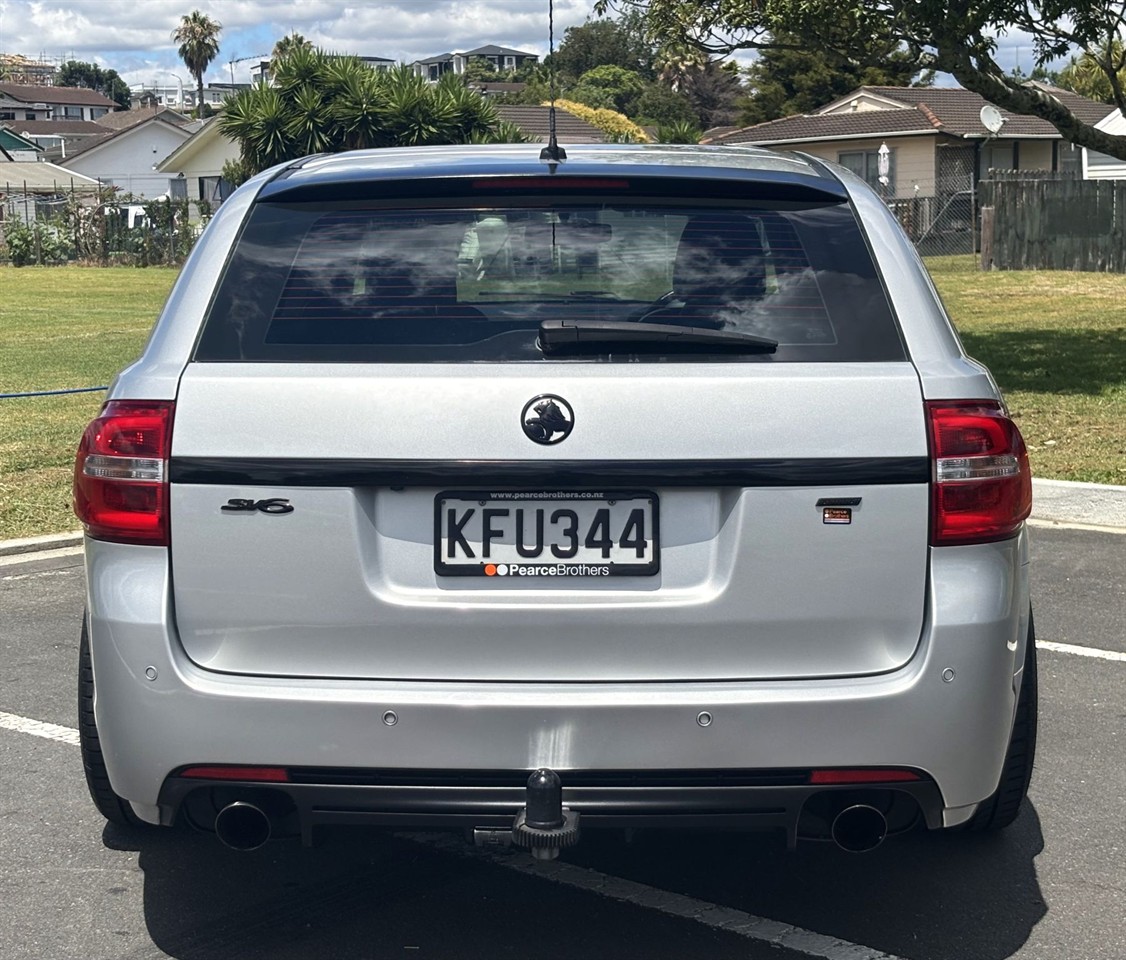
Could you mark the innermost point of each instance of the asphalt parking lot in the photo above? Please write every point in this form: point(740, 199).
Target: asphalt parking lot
point(1053, 886)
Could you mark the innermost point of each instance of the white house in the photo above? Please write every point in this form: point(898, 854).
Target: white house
point(195, 167)
point(503, 59)
point(60, 103)
point(126, 158)
point(1100, 166)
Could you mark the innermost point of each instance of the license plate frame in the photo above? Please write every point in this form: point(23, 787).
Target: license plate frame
point(548, 566)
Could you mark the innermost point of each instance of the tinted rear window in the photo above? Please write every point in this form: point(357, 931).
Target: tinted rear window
point(472, 281)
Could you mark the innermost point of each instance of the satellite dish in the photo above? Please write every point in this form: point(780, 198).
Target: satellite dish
point(991, 118)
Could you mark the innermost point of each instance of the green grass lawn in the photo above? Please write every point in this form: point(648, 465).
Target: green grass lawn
point(1055, 341)
point(61, 327)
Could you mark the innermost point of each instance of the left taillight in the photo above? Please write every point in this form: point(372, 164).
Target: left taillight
point(121, 472)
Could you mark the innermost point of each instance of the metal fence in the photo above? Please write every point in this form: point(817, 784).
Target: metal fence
point(941, 216)
point(42, 225)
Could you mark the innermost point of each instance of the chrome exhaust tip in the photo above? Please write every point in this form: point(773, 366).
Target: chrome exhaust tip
point(242, 826)
point(859, 828)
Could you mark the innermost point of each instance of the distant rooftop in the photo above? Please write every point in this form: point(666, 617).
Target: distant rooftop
point(910, 110)
point(71, 96)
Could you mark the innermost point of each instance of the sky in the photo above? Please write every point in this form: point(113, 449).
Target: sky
point(133, 37)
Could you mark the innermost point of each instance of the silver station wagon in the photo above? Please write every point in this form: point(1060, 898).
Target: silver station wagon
point(651, 488)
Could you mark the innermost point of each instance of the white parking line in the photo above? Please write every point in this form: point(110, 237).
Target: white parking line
point(747, 925)
point(1066, 525)
point(69, 571)
point(37, 728)
point(1081, 651)
point(18, 558)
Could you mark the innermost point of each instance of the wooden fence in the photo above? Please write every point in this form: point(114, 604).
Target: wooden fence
point(1053, 225)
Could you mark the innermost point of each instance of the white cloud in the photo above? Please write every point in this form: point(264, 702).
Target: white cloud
point(135, 37)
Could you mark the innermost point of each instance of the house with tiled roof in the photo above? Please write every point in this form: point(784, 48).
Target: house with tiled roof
point(60, 103)
point(503, 59)
point(935, 139)
point(120, 119)
point(535, 122)
point(59, 138)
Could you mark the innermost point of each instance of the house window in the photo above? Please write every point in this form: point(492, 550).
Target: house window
point(1070, 158)
point(29, 115)
point(96, 112)
point(7, 115)
point(72, 113)
point(214, 189)
point(866, 165)
point(1001, 157)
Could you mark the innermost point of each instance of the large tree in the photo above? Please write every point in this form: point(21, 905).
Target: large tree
point(786, 80)
point(609, 87)
point(198, 36)
point(606, 43)
point(713, 90)
point(323, 103)
point(79, 73)
point(954, 36)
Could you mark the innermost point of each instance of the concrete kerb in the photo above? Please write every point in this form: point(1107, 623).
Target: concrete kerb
point(1053, 501)
point(1092, 504)
point(53, 541)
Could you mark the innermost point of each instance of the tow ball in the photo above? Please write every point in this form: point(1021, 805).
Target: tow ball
point(545, 826)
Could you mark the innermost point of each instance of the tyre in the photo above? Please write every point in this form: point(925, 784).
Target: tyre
point(109, 804)
point(1001, 809)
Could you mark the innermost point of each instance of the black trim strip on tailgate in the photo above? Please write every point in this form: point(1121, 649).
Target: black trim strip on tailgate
point(557, 474)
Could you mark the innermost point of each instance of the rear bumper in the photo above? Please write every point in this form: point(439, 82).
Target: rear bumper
point(741, 800)
point(947, 713)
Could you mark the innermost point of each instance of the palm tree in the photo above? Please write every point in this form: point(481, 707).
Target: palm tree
point(323, 103)
point(1090, 75)
point(198, 36)
point(288, 44)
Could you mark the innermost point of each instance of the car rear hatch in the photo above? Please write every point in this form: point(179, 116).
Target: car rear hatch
point(424, 440)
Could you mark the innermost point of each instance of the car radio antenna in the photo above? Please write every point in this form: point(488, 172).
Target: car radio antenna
point(552, 154)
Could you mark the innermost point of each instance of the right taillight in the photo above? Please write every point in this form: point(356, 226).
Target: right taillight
point(982, 487)
point(121, 473)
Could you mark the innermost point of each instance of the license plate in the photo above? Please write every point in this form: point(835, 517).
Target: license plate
point(568, 533)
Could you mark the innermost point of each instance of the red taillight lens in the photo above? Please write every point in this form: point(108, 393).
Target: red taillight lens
point(982, 487)
point(121, 473)
point(827, 777)
point(223, 772)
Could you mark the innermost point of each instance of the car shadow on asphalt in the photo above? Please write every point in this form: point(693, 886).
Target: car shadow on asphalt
point(921, 896)
point(369, 894)
point(373, 895)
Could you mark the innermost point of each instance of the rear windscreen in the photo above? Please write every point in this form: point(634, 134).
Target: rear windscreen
point(472, 282)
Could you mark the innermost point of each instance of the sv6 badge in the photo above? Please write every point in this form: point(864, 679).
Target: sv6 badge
point(274, 505)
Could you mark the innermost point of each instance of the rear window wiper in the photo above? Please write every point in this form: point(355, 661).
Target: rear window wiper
point(575, 336)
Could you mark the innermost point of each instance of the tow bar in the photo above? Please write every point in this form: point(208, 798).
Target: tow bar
point(545, 826)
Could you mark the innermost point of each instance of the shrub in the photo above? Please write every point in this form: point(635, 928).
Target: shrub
point(617, 128)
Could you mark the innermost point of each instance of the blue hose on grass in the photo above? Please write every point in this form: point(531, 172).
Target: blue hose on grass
point(51, 393)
